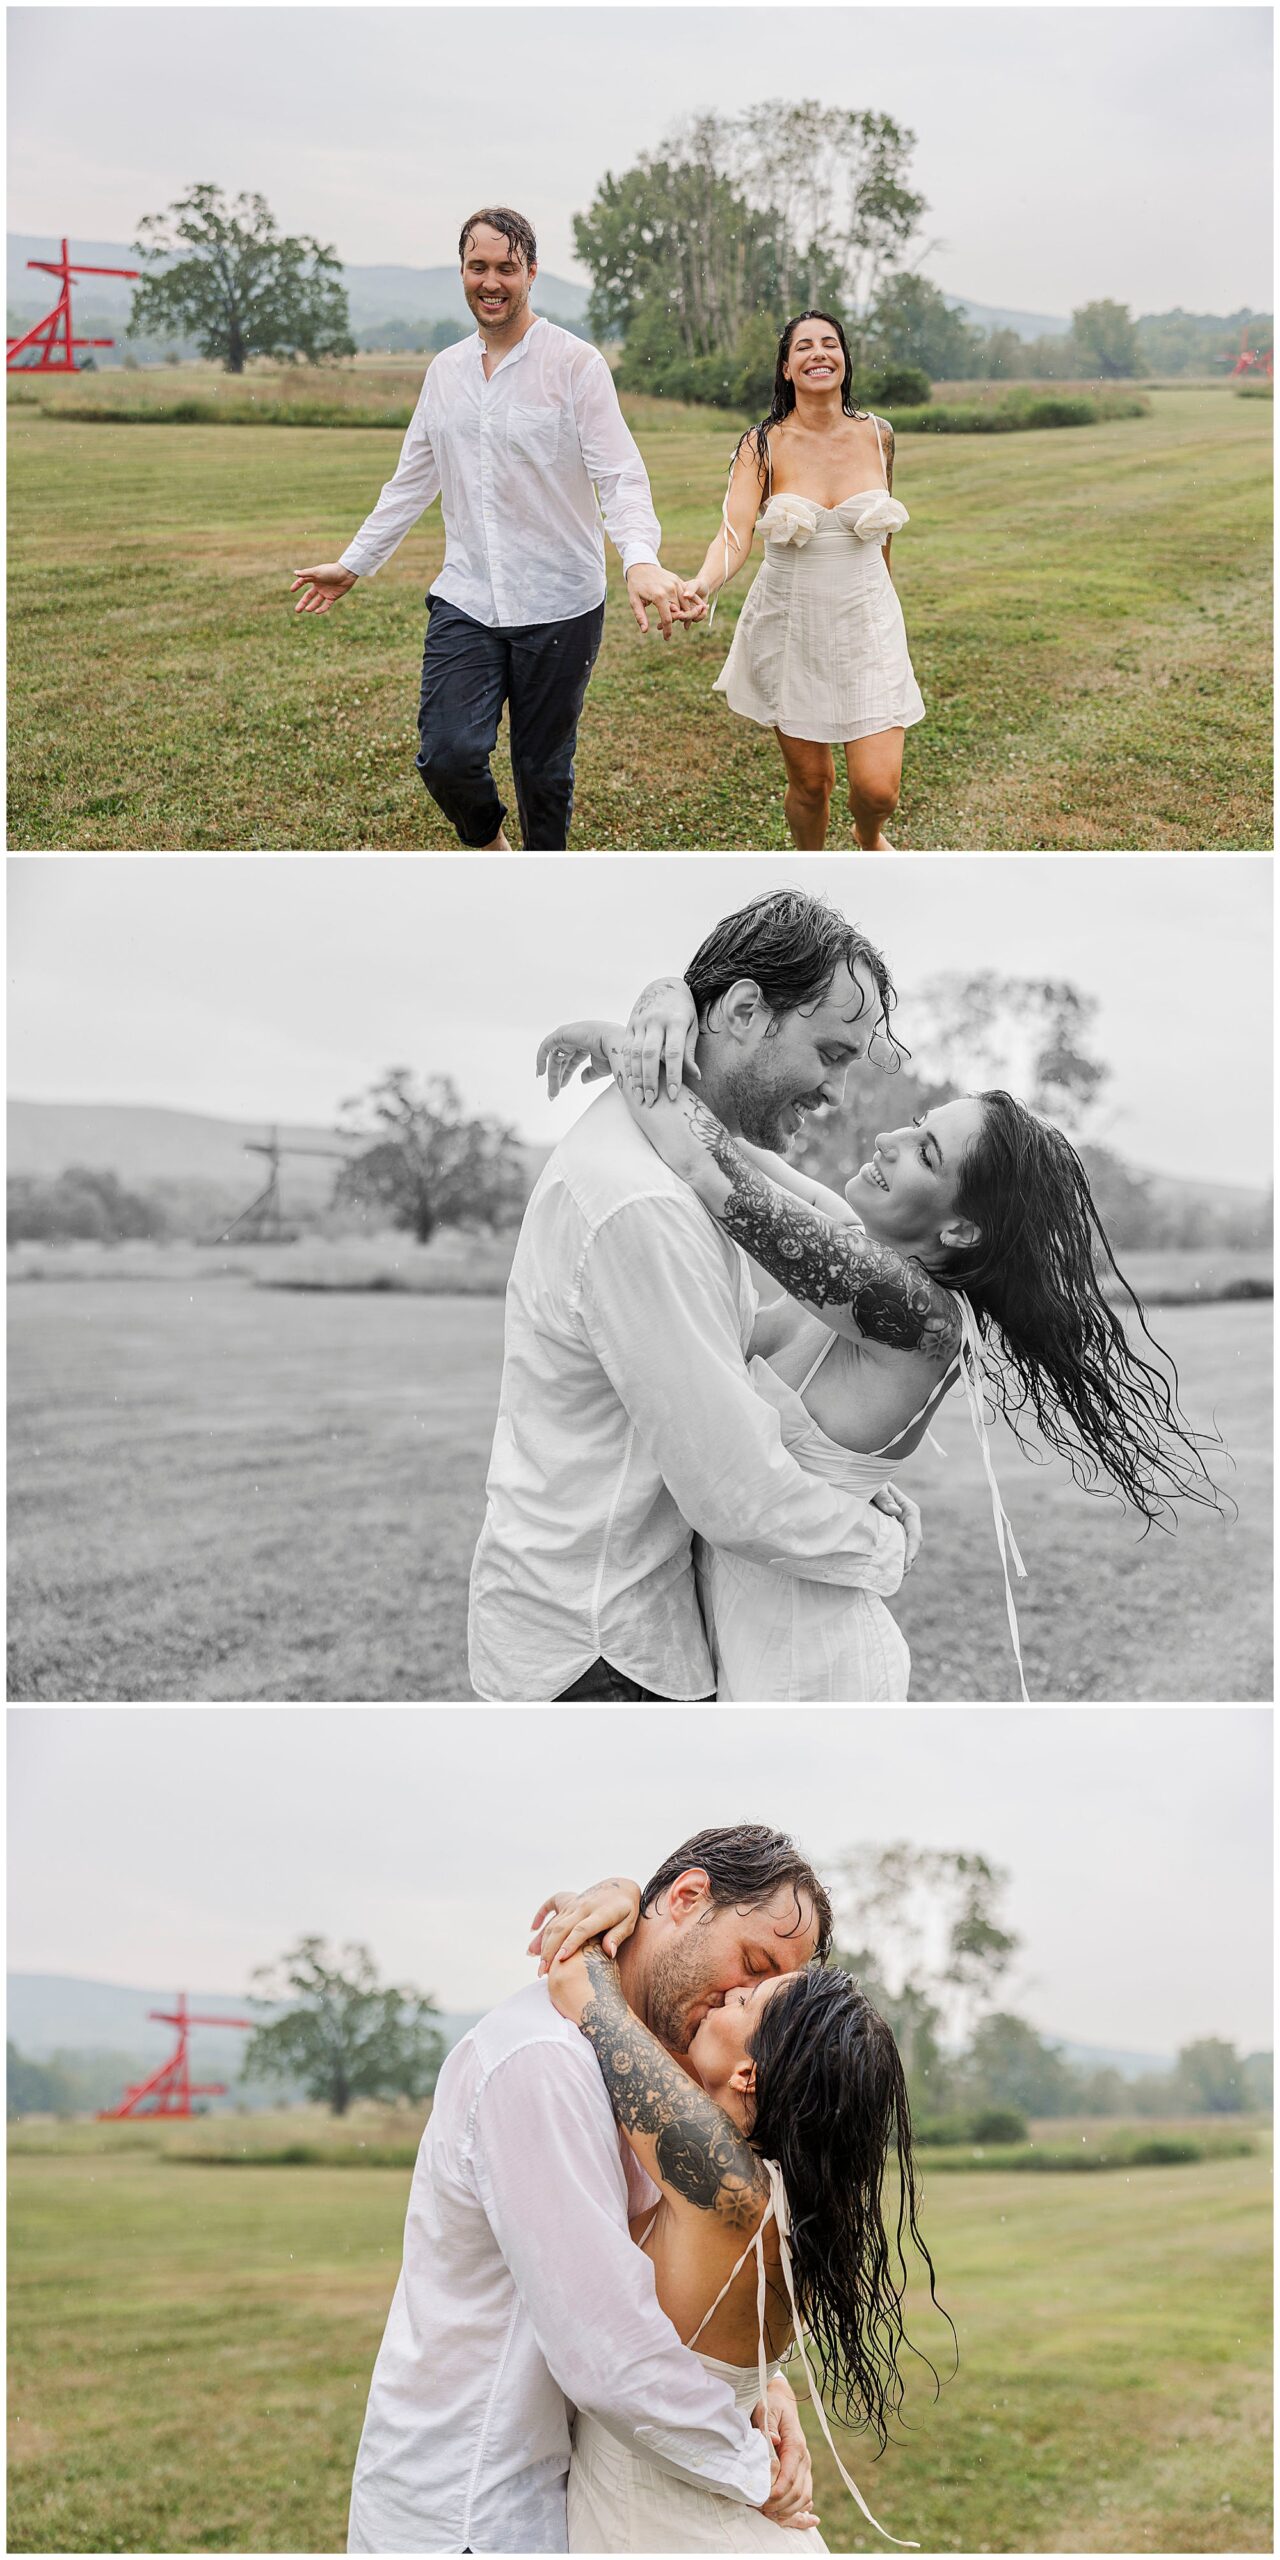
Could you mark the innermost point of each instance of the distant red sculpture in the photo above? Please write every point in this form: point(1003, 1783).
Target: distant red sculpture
point(1249, 361)
point(172, 2087)
point(53, 336)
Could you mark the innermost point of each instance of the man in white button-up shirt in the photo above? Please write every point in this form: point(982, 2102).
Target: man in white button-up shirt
point(516, 431)
point(626, 1416)
point(522, 2295)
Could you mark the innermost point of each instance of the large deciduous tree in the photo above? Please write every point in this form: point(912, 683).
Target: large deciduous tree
point(784, 205)
point(911, 322)
point(1106, 337)
point(225, 274)
point(426, 1161)
point(343, 2035)
point(926, 1924)
point(1032, 1034)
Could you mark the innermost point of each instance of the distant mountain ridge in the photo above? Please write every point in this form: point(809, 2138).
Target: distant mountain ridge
point(991, 315)
point(50, 2013)
point(145, 1142)
point(374, 294)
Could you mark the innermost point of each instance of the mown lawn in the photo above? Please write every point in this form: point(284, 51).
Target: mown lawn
point(1088, 608)
point(221, 1491)
point(190, 2348)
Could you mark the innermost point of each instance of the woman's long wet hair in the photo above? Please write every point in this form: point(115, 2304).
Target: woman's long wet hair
point(1066, 1358)
point(831, 2107)
point(784, 391)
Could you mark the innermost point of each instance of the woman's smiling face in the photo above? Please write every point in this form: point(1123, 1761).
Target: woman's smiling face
point(907, 1191)
point(720, 2052)
point(815, 357)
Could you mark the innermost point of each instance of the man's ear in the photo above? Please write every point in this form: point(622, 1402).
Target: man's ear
point(959, 1233)
point(741, 1008)
point(690, 1892)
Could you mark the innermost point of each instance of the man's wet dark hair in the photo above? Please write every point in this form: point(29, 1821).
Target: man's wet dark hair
point(517, 233)
point(746, 1866)
point(791, 944)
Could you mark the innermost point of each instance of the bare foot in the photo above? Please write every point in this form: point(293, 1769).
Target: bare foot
point(499, 844)
point(881, 845)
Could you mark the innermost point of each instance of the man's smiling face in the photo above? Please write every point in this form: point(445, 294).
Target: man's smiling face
point(495, 279)
point(796, 1062)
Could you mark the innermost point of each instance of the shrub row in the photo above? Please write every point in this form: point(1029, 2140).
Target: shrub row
point(226, 413)
point(1008, 416)
point(1154, 2151)
point(988, 2124)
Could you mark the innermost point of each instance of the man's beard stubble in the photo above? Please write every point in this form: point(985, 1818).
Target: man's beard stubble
point(678, 1983)
point(757, 1102)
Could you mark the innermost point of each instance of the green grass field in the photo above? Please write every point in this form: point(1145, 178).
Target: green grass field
point(220, 1491)
point(1088, 610)
point(190, 2348)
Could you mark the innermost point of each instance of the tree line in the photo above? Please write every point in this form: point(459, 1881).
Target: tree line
point(421, 1160)
point(922, 1930)
point(700, 251)
point(697, 255)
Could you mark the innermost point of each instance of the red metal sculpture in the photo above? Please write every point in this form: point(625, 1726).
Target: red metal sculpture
point(172, 2087)
point(1250, 361)
point(53, 337)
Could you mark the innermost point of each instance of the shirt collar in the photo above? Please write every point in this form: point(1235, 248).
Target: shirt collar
point(514, 353)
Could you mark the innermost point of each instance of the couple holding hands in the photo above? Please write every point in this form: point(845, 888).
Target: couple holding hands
point(518, 432)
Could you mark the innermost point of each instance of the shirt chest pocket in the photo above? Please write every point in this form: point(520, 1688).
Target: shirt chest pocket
point(533, 433)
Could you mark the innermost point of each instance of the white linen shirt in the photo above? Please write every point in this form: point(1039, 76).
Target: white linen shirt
point(513, 461)
point(521, 2297)
point(626, 1419)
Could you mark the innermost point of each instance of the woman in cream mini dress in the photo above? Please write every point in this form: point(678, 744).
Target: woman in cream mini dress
point(820, 652)
point(769, 2231)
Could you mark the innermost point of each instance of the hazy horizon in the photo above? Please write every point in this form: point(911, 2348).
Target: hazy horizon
point(1063, 177)
point(270, 990)
point(1139, 1840)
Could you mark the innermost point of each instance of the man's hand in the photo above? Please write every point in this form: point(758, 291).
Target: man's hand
point(899, 1506)
point(790, 2500)
point(672, 601)
point(322, 587)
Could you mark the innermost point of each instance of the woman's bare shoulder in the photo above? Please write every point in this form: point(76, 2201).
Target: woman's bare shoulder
point(867, 1395)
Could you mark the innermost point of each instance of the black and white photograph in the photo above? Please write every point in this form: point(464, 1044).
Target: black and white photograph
point(704, 1279)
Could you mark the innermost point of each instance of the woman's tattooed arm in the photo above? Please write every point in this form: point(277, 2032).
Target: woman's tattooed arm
point(889, 1295)
point(693, 2150)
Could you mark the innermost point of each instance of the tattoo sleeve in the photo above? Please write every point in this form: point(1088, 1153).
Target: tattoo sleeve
point(694, 2148)
point(889, 1295)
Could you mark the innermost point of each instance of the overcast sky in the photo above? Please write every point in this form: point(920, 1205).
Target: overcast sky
point(272, 987)
point(182, 1846)
point(1065, 153)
